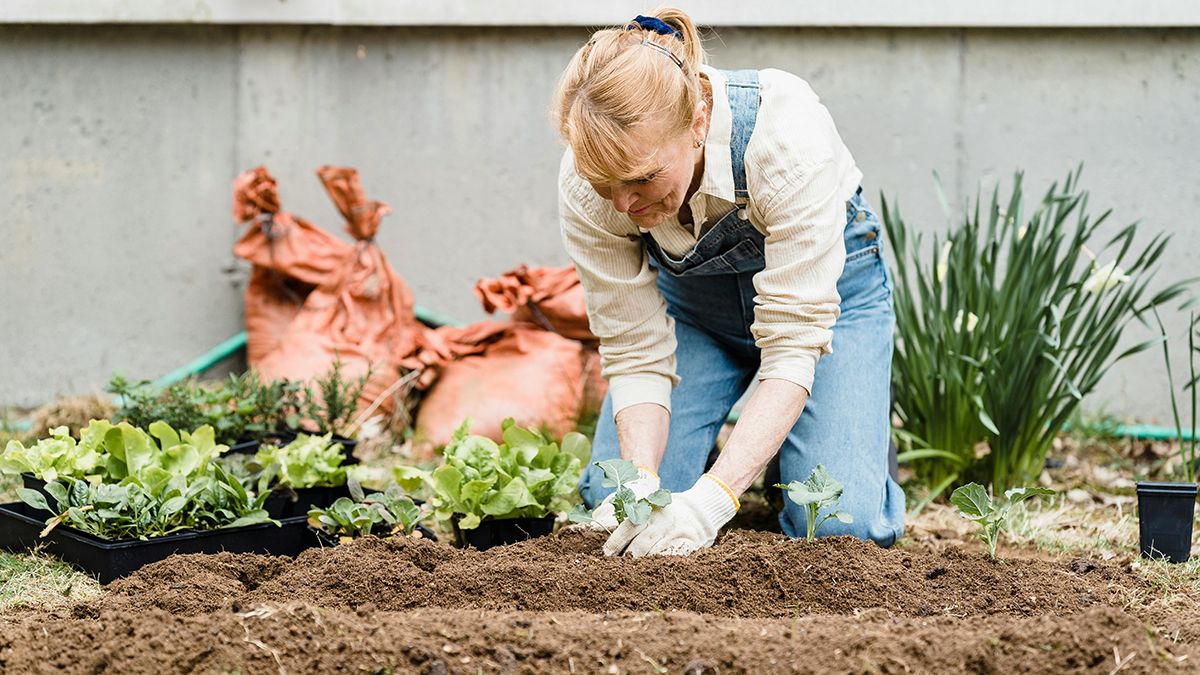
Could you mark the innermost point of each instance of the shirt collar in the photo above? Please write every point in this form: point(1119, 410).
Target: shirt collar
point(717, 179)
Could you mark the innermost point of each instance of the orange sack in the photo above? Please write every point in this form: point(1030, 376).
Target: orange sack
point(291, 257)
point(552, 299)
point(518, 371)
point(360, 312)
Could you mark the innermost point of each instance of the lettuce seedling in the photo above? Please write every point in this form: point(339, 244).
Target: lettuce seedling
point(974, 503)
point(626, 505)
point(526, 476)
point(306, 462)
point(816, 492)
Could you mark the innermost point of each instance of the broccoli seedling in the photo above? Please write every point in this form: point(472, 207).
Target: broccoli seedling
point(814, 493)
point(626, 505)
point(973, 503)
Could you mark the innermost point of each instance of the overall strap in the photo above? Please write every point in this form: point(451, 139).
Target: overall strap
point(741, 87)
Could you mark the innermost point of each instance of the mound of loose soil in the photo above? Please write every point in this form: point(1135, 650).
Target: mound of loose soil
point(304, 639)
point(746, 575)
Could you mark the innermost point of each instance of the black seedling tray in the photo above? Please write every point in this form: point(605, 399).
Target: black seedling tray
point(501, 532)
point(109, 560)
point(289, 503)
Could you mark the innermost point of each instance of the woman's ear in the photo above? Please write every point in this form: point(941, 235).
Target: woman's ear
point(700, 120)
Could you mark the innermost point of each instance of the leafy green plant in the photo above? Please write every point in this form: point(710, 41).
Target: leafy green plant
point(308, 461)
point(818, 491)
point(250, 409)
point(49, 458)
point(626, 504)
point(973, 502)
point(334, 406)
point(243, 407)
point(133, 510)
point(360, 514)
point(1187, 445)
point(526, 476)
point(1006, 327)
point(149, 484)
point(183, 405)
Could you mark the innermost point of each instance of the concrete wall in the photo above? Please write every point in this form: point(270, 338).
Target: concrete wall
point(118, 144)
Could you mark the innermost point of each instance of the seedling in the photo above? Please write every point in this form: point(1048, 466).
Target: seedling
point(973, 502)
point(361, 514)
point(816, 492)
point(626, 505)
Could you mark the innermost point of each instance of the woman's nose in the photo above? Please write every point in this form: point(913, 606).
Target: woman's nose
point(624, 198)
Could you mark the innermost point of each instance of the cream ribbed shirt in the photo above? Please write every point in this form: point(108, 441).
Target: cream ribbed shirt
point(799, 175)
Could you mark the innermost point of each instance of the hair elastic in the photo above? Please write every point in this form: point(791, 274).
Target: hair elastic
point(657, 25)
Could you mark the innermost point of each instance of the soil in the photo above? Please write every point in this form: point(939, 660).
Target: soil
point(756, 602)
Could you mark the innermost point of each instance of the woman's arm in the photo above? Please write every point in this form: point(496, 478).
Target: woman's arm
point(642, 433)
point(769, 415)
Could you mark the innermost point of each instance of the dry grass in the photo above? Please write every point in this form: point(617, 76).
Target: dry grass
point(36, 580)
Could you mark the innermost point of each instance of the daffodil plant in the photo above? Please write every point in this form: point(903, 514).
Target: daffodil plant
point(1004, 323)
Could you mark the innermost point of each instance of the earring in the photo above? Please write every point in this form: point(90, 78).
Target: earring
point(698, 143)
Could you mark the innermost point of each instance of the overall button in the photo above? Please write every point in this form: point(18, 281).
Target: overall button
point(742, 215)
point(862, 215)
point(870, 236)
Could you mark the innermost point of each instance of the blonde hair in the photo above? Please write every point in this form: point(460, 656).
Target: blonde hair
point(615, 85)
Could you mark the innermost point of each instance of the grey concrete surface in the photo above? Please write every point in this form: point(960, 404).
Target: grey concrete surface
point(118, 145)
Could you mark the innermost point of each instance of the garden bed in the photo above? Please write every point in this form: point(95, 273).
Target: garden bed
point(754, 603)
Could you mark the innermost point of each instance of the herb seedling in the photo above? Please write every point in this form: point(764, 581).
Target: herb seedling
point(973, 502)
point(626, 505)
point(816, 492)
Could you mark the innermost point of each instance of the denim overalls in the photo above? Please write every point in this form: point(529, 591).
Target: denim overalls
point(710, 294)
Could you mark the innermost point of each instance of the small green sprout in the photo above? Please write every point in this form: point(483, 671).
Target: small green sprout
point(816, 492)
point(626, 505)
point(973, 502)
point(360, 515)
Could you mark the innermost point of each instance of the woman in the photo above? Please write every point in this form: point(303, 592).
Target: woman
point(716, 221)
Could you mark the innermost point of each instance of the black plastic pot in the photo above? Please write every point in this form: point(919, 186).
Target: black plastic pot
point(288, 503)
point(285, 437)
point(1165, 514)
point(20, 525)
point(500, 532)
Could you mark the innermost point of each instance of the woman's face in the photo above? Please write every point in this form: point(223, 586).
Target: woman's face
point(658, 195)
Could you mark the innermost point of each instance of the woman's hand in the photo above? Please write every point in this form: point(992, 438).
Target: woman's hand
point(688, 523)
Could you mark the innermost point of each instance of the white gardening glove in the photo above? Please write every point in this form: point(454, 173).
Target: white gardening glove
point(688, 523)
point(604, 516)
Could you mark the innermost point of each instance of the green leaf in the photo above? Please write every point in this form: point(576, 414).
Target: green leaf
point(617, 472)
point(34, 499)
point(637, 512)
point(844, 517)
point(1020, 494)
point(659, 497)
point(972, 501)
point(577, 445)
point(819, 488)
point(580, 514)
point(410, 477)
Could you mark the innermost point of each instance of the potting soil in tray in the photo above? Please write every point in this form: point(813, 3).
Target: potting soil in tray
point(20, 525)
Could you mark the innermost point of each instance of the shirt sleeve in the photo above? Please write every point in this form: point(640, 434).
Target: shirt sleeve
point(625, 309)
point(797, 300)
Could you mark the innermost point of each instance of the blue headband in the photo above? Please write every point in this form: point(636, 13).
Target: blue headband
point(657, 25)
